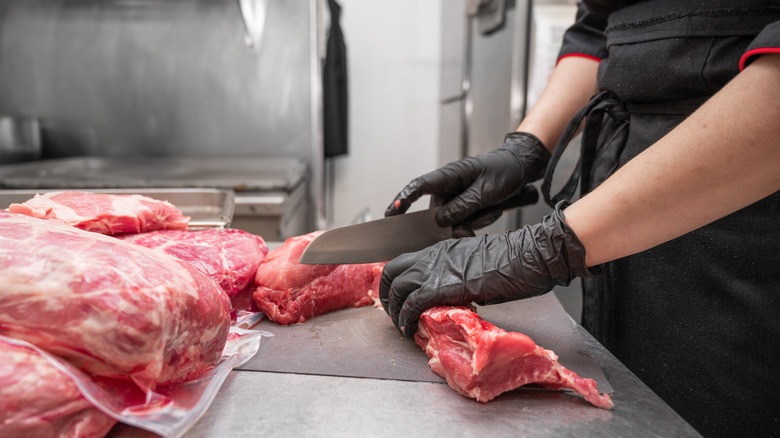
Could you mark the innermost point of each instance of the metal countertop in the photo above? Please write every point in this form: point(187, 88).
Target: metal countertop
point(270, 404)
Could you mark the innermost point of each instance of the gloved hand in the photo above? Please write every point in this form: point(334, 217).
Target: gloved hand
point(485, 270)
point(471, 190)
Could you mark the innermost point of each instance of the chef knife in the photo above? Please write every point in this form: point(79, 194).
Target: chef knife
point(376, 241)
point(384, 239)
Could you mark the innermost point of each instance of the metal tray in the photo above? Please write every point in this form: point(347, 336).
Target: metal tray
point(207, 208)
point(240, 174)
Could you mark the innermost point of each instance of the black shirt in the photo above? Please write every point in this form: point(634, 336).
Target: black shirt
point(586, 37)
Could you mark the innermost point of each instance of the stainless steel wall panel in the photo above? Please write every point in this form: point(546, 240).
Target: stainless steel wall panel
point(196, 79)
point(193, 77)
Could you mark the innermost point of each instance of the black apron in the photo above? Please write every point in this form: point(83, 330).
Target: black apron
point(697, 318)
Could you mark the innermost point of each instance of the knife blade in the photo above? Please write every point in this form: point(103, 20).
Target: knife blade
point(376, 241)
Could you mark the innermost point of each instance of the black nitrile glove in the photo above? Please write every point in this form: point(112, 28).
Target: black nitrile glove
point(485, 270)
point(471, 190)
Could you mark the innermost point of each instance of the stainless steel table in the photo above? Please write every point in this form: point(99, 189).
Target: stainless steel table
point(271, 404)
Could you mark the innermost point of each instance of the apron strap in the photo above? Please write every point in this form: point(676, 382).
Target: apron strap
point(605, 103)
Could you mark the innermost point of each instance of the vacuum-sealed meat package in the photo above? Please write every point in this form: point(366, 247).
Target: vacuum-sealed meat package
point(110, 307)
point(39, 400)
point(104, 213)
point(229, 256)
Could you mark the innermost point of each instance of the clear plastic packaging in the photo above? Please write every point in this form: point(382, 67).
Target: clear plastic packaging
point(169, 410)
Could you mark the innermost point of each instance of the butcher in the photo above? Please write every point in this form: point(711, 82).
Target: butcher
point(675, 231)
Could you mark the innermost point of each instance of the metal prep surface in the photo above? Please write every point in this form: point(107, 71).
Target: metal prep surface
point(362, 343)
point(279, 404)
point(207, 208)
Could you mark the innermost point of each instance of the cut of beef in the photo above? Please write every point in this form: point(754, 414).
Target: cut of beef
point(111, 307)
point(38, 400)
point(481, 361)
point(228, 256)
point(289, 292)
point(104, 213)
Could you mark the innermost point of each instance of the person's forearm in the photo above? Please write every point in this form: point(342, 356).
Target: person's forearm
point(571, 85)
point(724, 157)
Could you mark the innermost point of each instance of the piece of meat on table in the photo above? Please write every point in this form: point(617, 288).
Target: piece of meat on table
point(38, 400)
point(110, 307)
point(229, 256)
point(481, 361)
point(104, 213)
point(289, 292)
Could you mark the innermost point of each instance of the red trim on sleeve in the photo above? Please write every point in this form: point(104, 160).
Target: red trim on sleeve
point(756, 52)
point(581, 55)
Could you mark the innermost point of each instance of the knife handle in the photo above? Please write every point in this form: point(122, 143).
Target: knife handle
point(528, 196)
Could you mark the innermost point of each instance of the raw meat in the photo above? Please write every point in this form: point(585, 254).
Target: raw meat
point(481, 361)
point(111, 307)
point(228, 256)
point(244, 300)
point(38, 400)
point(289, 292)
point(104, 213)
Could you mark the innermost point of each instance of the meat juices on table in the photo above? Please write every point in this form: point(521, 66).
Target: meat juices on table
point(104, 213)
point(110, 307)
point(481, 361)
point(289, 292)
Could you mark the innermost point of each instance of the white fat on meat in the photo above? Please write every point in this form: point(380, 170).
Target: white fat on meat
point(229, 256)
point(38, 400)
point(104, 213)
point(111, 307)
